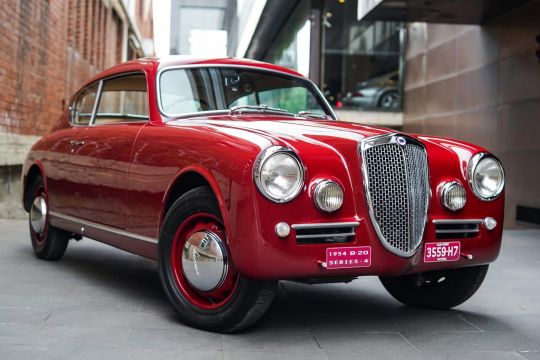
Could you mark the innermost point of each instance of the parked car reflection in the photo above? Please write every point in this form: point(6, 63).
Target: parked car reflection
point(379, 92)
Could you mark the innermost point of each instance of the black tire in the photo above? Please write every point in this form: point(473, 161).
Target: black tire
point(439, 290)
point(389, 100)
point(247, 302)
point(52, 243)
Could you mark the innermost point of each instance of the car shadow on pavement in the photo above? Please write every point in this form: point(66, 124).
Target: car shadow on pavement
point(360, 306)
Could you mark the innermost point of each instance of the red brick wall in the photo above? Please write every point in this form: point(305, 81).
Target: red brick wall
point(47, 50)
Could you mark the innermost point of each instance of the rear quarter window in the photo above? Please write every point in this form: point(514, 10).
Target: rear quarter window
point(83, 106)
point(123, 99)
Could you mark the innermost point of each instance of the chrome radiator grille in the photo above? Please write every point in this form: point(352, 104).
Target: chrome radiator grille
point(397, 188)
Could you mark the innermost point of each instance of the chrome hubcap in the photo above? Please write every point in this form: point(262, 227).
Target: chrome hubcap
point(204, 260)
point(38, 214)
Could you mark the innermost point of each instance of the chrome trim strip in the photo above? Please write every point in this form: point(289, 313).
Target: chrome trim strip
point(101, 227)
point(325, 102)
point(457, 221)
point(459, 231)
point(320, 236)
point(324, 225)
point(96, 104)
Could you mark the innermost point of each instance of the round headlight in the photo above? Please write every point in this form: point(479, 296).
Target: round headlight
point(453, 196)
point(279, 174)
point(328, 196)
point(486, 176)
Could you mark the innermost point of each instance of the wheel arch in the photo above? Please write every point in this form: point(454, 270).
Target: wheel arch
point(188, 179)
point(33, 172)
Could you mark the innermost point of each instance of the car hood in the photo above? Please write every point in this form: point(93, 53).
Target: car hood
point(279, 130)
point(313, 137)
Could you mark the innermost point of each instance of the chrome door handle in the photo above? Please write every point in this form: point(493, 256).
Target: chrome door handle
point(76, 143)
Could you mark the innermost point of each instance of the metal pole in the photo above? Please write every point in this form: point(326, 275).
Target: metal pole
point(316, 42)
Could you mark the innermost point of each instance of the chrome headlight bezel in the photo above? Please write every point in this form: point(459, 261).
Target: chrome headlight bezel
point(445, 192)
point(258, 166)
point(471, 172)
point(318, 192)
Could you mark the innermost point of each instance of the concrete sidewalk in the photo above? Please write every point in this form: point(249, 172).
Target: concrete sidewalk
point(102, 303)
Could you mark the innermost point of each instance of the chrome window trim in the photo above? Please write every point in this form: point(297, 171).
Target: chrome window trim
point(160, 72)
point(101, 227)
point(96, 104)
point(383, 140)
point(473, 163)
point(261, 159)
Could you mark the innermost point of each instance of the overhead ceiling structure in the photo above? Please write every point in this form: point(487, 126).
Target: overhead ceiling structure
point(436, 11)
point(274, 15)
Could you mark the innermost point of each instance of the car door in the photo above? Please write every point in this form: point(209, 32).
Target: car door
point(104, 149)
point(63, 172)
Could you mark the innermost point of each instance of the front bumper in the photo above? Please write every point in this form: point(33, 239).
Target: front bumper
point(285, 258)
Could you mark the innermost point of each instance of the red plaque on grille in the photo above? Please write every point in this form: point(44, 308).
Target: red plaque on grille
point(348, 257)
point(442, 251)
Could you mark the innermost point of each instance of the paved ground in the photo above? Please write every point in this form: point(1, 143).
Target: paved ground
point(102, 303)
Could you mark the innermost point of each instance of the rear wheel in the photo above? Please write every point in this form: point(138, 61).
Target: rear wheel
point(48, 242)
point(442, 289)
point(198, 273)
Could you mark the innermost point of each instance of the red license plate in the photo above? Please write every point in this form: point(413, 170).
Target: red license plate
point(348, 257)
point(442, 251)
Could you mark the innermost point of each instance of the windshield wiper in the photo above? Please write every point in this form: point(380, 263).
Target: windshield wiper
point(263, 108)
point(307, 114)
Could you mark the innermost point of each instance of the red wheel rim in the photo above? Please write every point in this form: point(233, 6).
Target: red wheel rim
point(203, 299)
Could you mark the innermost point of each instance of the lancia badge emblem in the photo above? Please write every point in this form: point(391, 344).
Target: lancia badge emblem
point(401, 141)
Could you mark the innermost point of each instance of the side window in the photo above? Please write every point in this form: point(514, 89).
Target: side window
point(81, 110)
point(186, 91)
point(123, 99)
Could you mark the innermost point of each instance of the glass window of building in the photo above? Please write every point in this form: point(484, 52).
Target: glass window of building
point(361, 59)
point(292, 45)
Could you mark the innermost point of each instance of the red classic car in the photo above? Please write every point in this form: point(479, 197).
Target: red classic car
point(234, 174)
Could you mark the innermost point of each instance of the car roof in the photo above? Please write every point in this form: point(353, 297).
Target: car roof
point(185, 60)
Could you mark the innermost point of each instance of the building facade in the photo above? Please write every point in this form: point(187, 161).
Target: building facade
point(47, 50)
point(481, 83)
point(202, 27)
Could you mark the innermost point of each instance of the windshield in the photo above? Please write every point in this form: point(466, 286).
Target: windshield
point(193, 90)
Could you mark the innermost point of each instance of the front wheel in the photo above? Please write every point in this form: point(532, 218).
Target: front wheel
point(440, 290)
point(197, 272)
